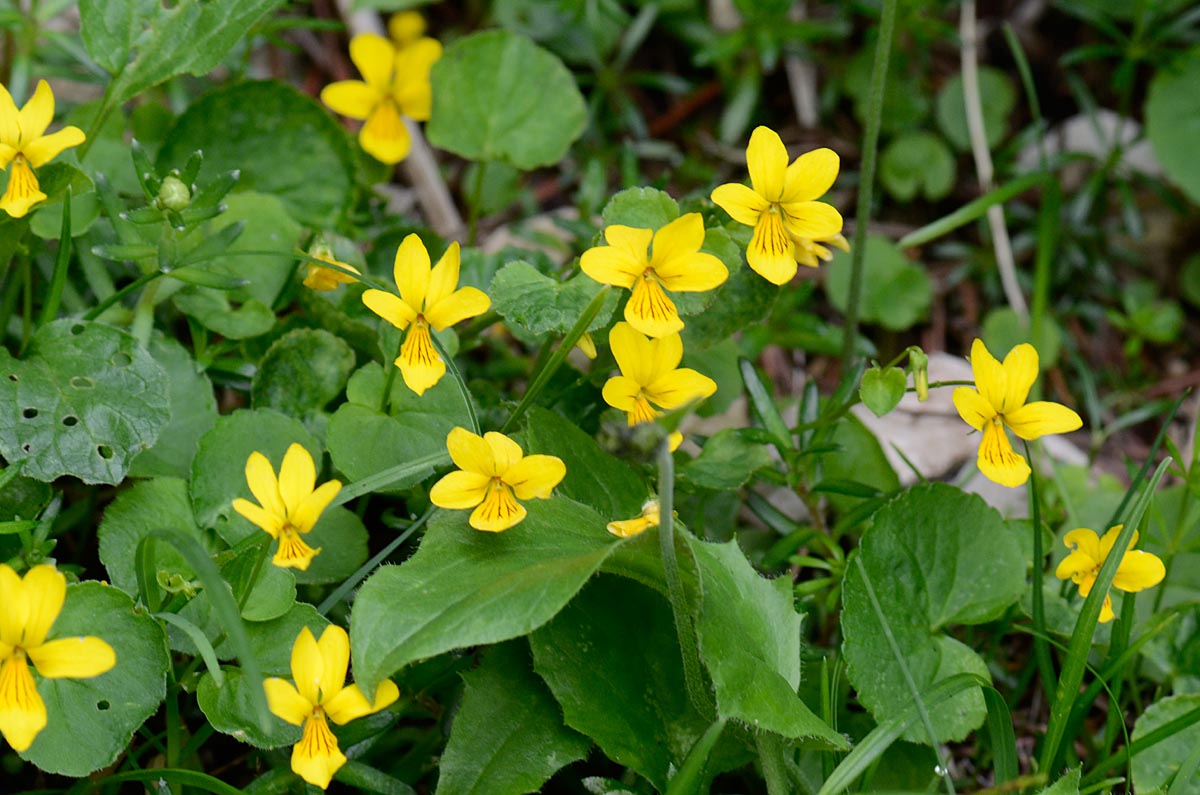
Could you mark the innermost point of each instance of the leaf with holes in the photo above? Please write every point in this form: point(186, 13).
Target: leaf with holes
point(84, 401)
point(90, 721)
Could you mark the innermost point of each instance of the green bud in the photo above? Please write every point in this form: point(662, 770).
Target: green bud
point(173, 195)
point(918, 365)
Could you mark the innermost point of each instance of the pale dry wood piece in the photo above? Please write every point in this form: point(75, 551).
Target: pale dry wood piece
point(420, 167)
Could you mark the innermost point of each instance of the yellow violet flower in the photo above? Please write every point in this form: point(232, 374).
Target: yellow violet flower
point(24, 144)
point(326, 279)
point(288, 506)
point(675, 263)
point(650, 374)
point(395, 84)
point(493, 474)
point(999, 402)
point(812, 253)
point(781, 205)
point(427, 298)
point(1137, 571)
point(320, 692)
point(29, 607)
point(626, 528)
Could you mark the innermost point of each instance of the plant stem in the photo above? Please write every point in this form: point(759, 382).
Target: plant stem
point(770, 757)
point(390, 365)
point(462, 384)
point(59, 280)
point(1041, 651)
point(473, 201)
point(116, 297)
point(866, 180)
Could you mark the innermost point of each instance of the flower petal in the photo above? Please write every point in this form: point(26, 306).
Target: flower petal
point(505, 451)
point(1020, 371)
point(419, 362)
point(23, 191)
point(651, 311)
point(627, 528)
point(443, 278)
point(771, 253)
point(73, 658)
point(471, 453)
point(622, 261)
point(309, 512)
point(334, 645)
point(972, 407)
point(767, 162)
point(293, 552)
point(1034, 420)
point(498, 511)
point(391, 308)
point(621, 392)
point(535, 476)
point(990, 378)
point(1075, 565)
point(297, 477)
point(22, 711)
point(384, 135)
point(684, 235)
point(665, 355)
point(268, 522)
point(634, 353)
point(813, 220)
point(14, 606)
point(375, 58)
point(460, 305)
point(10, 120)
point(260, 477)
point(285, 701)
point(45, 591)
point(460, 490)
point(37, 114)
point(810, 175)
point(680, 387)
point(307, 666)
point(412, 272)
point(48, 147)
point(411, 88)
point(406, 27)
point(1084, 541)
point(352, 98)
point(743, 204)
point(317, 757)
point(692, 273)
point(351, 703)
point(1139, 570)
point(997, 461)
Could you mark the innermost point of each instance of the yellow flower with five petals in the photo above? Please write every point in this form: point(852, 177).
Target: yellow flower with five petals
point(999, 402)
point(781, 205)
point(493, 474)
point(647, 262)
point(290, 505)
point(29, 606)
point(1137, 571)
point(427, 298)
point(650, 374)
point(24, 144)
point(395, 84)
point(320, 693)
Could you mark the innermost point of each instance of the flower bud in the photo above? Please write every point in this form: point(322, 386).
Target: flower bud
point(173, 195)
point(918, 365)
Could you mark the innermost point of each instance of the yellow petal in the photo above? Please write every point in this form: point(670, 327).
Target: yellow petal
point(7, 153)
point(37, 114)
point(471, 453)
point(460, 305)
point(771, 253)
point(73, 658)
point(1020, 371)
point(443, 278)
point(665, 355)
point(375, 58)
point(390, 307)
point(351, 703)
point(813, 220)
point(997, 461)
point(352, 98)
point(406, 27)
point(412, 272)
point(680, 387)
point(48, 147)
point(586, 344)
point(1034, 420)
point(10, 124)
point(419, 362)
point(767, 162)
point(286, 702)
point(1139, 570)
point(334, 646)
point(810, 175)
point(505, 452)
point(460, 490)
point(22, 711)
point(1075, 565)
point(635, 354)
point(311, 508)
point(260, 477)
point(1085, 542)
point(972, 407)
point(268, 522)
point(743, 204)
point(14, 607)
point(621, 392)
point(1110, 538)
point(297, 477)
point(325, 279)
point(45, 590)
point(692, 273)
point(615, 263)
point(651, 311)
point(535, 476)
point(990, 377)
point(684, 235)
point(383, 136)
point(1106, 611)
point(498, 511)
point(307, 666)
point(411, 89)
point(23, 191)
point(293, 552)
point(317, 757)
point(633, 241)
point(641, 411)
point(626, 528)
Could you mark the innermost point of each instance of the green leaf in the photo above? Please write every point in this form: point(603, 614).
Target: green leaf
point(593, 477)
point(110, 29)
point(917, 163)
point(271, 641)
point(896, 292)
point(1173, 121)
point(1160, 764)
point(499, 96)
point(464, 587)
point(882, 389)
point(342, 539)
point(727, 461)
point(230, 711)
point(1003, 330)
point(750, 643)
point(937, 558)
point(301, 372)
point(743, 300)
point(281, 140)
point(641, 208)
point(540, 304)
point(999, 98)
point(84, 401)
point(1067, 785)
point(193, 36)
point(219, 469)
point(1189, 279)
point(193, 413)
point(90, 721)
point(21, 497)
point(858, 459)
point(213, 311)
point(641, 717)
point(508, 736)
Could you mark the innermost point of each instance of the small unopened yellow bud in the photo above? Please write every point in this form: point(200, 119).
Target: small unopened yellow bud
point(918, 365)
point(173, 195)
point(406, 27)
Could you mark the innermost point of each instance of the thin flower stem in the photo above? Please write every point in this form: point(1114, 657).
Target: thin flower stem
point(59, 280)
point(389, 380)
point(1041, 651)
point(119, 295)
point(866, 182)
point(343, 590)
point(770, 757)
point(462, 384)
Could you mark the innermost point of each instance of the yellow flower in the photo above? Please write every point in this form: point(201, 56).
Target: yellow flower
point(28, 609)
point(24, 144)
point(1000, 402)
point(625, 528)
point(812, 253)
point(675, 264)
point(319, 670)
point(650, 373)
point(288, 507)
point(1137, 571)
point(405, 28)
point(782, 204)
point(427, 298)
point(494, 474)
point(395, 83)
point(326, 279)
